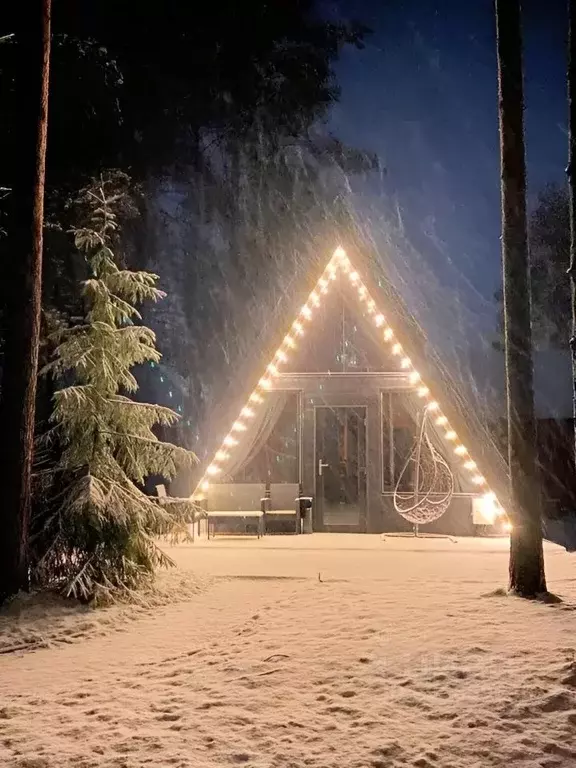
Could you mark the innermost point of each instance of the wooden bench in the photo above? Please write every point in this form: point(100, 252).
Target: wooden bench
point(283, 508)
point(238, 502)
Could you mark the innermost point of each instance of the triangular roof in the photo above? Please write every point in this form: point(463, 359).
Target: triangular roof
point(400, 332)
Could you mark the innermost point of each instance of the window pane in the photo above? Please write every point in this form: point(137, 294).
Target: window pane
point(278, 460)
point(399, 435)
point(342, 337)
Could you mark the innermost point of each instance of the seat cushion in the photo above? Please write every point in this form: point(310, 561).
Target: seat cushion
point(234, 513)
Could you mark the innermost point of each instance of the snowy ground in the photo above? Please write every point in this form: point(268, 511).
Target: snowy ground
point(323, 650)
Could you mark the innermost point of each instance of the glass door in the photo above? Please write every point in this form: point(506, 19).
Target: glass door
point(341, 468)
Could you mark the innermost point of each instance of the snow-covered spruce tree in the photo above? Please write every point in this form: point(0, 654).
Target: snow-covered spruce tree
point(102, 529)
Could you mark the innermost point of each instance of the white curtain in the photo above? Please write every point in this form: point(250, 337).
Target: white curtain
point(259, 430)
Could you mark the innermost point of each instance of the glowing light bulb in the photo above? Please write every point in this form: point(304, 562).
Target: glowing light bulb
point(306, 311)
point(298, 328)
point(423, 391)
point(289, 342)
point(272, 369)
point(441, 421)
point(450, 435)
point(247, 412)
point(265, 383)
point(388, 334)
point(213, 469)
point(204, 485)
point(379, 320)
point(339, 253)
point(314, 298)
point(371, 306)
point(322, 282)
point(397, 349)
point(460, 450)
point(478, 480)
point(507, 527)
point(414, 377)
point(354, 277)
point(256, 398)
point(238, 426)
point(332, 274)
point(433, 406)
point(230, 441)
point(362, 292)
point(221, 455)
point(405, 362)
point(470, 465)
point(281, 356)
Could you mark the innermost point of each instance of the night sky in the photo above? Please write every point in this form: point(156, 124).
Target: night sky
point(423, 95)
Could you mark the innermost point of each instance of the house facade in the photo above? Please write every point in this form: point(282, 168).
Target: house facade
point(344, 411)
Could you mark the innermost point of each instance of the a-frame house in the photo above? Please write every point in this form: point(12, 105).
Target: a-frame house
point(349, 407)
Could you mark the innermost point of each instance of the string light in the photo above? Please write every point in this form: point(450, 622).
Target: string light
point(339, 261)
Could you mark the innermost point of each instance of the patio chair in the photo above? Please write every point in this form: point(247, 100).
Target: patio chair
point(283, 508)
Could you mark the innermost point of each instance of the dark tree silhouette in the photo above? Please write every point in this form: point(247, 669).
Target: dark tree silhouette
point(549, 247)
point(526, 553)
point(571, 170)
point(23, 253)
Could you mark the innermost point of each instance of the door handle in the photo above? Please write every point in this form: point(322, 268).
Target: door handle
point(321, 466)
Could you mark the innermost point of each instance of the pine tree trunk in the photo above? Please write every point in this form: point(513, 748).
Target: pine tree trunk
point(571, 170)
point(526, 556)
point(23, 246)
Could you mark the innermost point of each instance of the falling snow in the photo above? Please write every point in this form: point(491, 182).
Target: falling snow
point(325, 650)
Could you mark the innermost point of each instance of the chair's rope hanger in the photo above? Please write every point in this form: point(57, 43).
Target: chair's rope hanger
point(340, 265)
